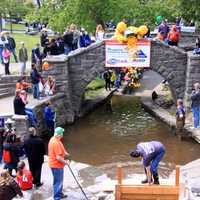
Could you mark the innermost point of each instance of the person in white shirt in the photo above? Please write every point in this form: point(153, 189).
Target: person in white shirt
point(99, 33)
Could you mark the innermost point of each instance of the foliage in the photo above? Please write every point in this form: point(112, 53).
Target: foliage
point(15, 8)
point(96, 84)
point(89, 13)
point(190, 9)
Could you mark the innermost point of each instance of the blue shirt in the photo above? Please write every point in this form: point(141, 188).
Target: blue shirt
point(48, 114)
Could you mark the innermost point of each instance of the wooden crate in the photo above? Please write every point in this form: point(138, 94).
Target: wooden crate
point(146, 192)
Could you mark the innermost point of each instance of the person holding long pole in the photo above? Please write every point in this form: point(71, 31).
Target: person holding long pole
point(57, 154)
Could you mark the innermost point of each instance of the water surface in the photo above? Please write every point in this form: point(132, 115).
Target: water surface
point(105, 138)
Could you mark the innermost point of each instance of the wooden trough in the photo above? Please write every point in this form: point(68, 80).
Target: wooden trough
point(146, 192)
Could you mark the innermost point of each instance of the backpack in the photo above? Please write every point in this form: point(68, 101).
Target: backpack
point(173, 36)
point(6, 156)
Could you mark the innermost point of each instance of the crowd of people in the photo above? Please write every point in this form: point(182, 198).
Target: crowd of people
point(16, 177)
point(167, 35)
point(12, 149)
point(130, 76)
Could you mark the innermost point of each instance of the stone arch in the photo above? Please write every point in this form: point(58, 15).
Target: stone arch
point(75, 71)
point(83, 67)
point(170, 63)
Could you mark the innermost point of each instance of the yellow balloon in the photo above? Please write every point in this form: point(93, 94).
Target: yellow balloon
point(142, 30)
point(121, 27)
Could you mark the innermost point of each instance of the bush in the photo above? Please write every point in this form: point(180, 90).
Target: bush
point(95, 84)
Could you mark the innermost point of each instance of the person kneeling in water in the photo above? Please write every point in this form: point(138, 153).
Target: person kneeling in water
point(152, 153)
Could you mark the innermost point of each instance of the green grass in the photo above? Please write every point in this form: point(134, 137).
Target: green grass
point(18, 27)
point(96, 84)
point(29, 40)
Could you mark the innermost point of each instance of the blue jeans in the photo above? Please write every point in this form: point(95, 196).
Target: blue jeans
point(36, 91)
point(1, 57)
point(155, 162)
point(58, 174)
point(195, 111)
point(1, 155)
point(67, 49)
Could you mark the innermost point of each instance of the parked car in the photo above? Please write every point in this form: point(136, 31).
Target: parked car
point(108, 35)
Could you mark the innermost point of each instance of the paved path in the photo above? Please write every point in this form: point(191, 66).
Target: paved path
point(14, 68)
point(6, 104)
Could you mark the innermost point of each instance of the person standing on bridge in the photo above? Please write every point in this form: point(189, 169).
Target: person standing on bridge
point(195, 98)
point(152, 153)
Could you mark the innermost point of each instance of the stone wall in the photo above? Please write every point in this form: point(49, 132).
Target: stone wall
point(171, 63)
point(84, 67)
point(75, 71)
point(187, 41)
point(60, 104)
point(192, 75)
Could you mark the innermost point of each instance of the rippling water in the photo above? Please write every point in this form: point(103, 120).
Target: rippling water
point(104, 139)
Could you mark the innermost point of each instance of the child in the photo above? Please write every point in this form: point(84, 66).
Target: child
point(180, 118)
point(24, 177)
point(6, 60)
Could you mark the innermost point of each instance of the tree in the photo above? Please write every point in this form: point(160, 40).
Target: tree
point(89, 13)
point(16, 9)
point(190, 9)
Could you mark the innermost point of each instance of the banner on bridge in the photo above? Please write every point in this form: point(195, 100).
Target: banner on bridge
point(118, 54)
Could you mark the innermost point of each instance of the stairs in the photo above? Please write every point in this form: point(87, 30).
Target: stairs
point(7, 85)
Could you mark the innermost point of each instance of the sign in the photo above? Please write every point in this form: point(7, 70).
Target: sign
point(188, 29)
point(118, 54)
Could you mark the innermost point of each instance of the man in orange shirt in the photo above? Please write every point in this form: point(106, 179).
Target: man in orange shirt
point(57, 154)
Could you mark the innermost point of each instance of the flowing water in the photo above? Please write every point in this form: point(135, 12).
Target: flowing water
point(105, 138)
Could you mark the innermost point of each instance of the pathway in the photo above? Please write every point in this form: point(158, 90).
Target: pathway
point(14, 68)
point(6, 104)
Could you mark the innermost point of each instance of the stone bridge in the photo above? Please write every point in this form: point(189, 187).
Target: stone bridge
point(74, 72)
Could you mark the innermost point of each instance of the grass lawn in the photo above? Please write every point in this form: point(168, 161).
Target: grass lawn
point(17, 27)
point(29, 40)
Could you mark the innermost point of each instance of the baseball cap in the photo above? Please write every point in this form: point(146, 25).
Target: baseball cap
point(59, 131)
point(135, 154)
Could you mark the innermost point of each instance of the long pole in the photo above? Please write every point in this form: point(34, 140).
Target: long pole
point(77, 182)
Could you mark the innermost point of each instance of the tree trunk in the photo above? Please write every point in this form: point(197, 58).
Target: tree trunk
point(1, 25)
point(11, 29)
